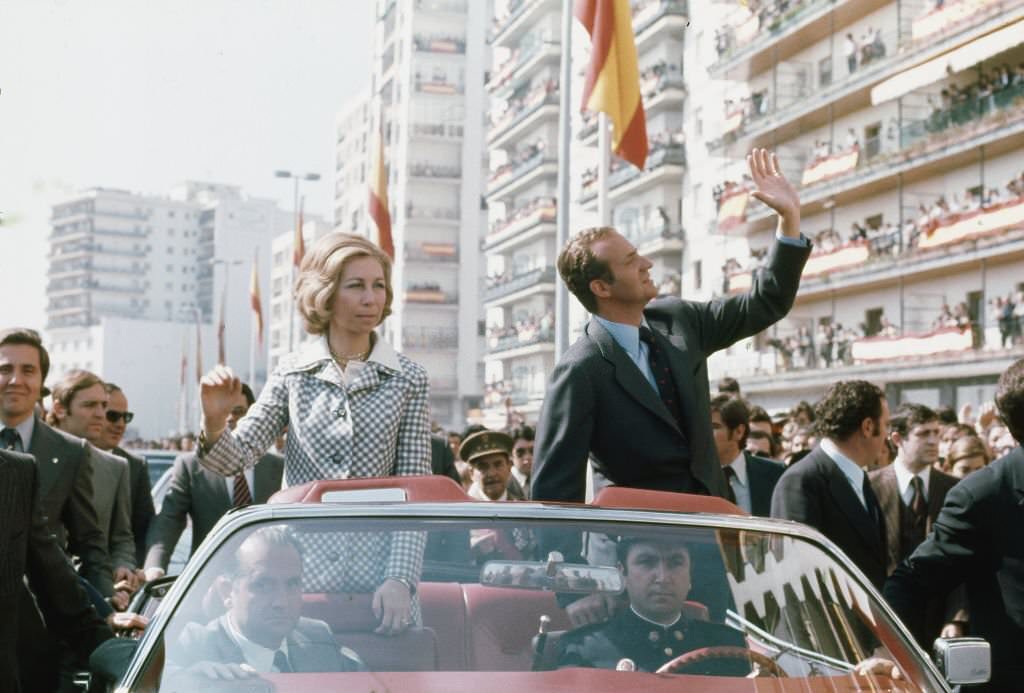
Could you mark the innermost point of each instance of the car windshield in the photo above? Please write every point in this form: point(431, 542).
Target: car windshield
point(691, 600)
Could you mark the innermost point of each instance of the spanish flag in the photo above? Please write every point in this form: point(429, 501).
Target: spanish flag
point(255, 301)
point(298, 244)
point(379, 199)
point(613, 77)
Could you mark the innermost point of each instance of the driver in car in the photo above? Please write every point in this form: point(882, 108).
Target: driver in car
point(655, 629)
point(263, 630)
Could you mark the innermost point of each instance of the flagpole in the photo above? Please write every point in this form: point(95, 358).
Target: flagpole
point(604, 146)
point(183, 384)
point(564, 141)
point(291, 273)
point(253, 323)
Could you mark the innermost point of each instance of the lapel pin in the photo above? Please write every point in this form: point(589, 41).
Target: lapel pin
point(55, 460)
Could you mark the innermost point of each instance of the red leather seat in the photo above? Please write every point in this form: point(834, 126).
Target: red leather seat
point(443, 605)
point(501, 623)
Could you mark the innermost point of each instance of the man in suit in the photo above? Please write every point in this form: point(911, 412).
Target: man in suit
point(910, 493)
point(829, 489)
point(442, 461)
point(751, 478)
point(976, 539)
point(31, 550)
point(141, 491)
point(522, 462)
point(263, 630)
point(203, 496)
point(65, 485)
point(632, 393)
point(80, 408)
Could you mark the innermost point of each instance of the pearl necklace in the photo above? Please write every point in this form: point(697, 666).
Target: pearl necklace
point(362, 356)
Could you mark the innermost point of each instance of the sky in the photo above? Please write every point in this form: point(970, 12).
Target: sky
point(144, 95)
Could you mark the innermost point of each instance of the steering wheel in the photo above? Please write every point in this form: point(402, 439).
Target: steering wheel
point(688, 660)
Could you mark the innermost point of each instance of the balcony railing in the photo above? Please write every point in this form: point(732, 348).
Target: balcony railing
point(135, 233)
point(497, 345)
point(961, 114)
point(665, 155)
point(446, 130)
point(507, 287)
point(509, 173)
point(426, 169)
point(429, 295)
point(647, 12)
point(641, 235)
point(430, 338)
point(516, 9)
point(546, 96)
point(421, 213)
point(750, 36)
point(537, 210)
point(439, 44)
point(431, 252)
point(448, 6)
point(441, 87)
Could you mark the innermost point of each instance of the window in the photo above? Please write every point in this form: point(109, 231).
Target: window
point(874, 222)
point(872, 139)
point(825, 71)
point(872, 321)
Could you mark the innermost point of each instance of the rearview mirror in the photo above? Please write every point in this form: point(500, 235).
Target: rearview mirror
point(562, 577)
point(963, 661)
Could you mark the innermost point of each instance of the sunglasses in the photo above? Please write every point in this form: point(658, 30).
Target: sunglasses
point(522, 452)
point(115, 416)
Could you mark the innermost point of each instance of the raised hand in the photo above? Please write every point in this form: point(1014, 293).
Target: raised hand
point(772, 188)
point(218, 391)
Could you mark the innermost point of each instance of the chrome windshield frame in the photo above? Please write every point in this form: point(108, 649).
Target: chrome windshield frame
point(236, 520)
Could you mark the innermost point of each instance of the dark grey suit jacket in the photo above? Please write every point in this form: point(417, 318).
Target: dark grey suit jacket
point(112, 500)
point(143, 511)
point(977, 540)
point(762, 475)
point(599, 404)
point(30, 549)
point(66, 498)
point(311, 647)
point(815, 491)
point(197, 493)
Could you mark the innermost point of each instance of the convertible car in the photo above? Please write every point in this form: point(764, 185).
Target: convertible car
point(697, 596)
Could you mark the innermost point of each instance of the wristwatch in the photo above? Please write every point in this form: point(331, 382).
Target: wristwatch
point(408, 583)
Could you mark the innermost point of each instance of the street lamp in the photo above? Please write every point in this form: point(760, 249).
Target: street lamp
point(295, 177)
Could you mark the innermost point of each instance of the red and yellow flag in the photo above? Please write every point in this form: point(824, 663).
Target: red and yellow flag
point(255, 301)
point(299, 244)
point(379, 200)
point(613, 77)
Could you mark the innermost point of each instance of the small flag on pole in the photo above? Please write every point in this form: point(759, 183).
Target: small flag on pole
point(199, 350)
point(299, 244)
point(378, 204)
point(255, 301)
point(221, 347)
point(612, 83)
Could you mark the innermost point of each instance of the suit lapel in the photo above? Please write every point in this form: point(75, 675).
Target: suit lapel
point(43, 447)
point(847, 501)
point(216, 486)
point(300, 655)
point(755, 482)
point(936, 495)
point(627, 374)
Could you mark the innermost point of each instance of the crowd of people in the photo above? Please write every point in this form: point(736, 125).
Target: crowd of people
point(863, 50)
point(524, 329)
point(993, 88)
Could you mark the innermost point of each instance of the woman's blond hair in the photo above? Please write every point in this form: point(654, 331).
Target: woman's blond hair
point(321, 272)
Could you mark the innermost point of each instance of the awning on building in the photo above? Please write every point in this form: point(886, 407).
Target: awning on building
point(954, 61)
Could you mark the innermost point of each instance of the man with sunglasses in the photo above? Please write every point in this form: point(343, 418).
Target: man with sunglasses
point(140, 490)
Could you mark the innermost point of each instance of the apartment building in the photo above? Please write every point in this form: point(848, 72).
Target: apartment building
point(427, 99)
point(903, 124)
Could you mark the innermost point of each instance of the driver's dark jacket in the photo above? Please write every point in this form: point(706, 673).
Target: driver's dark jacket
point(649, 645)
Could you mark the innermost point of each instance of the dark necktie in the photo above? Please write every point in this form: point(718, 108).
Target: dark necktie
point(658, 361)
point(873, 508)
point(918, 504)
point(730, 474)
point(10, 439)
point(241, 496)
point(281, 662)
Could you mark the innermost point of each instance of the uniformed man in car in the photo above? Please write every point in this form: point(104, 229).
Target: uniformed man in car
point(653, 629)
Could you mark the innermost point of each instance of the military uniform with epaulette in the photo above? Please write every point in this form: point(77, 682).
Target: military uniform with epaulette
point(649, 645)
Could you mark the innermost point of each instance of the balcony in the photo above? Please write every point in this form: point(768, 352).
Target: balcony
point(525, 116)
point(625, 178)
point(430, 338)
point(542, 278)
point(446, 216)
point(437, 131)
point(522, 64)
point(511, 178)
point(451, 45)
point(945, 141)
point(508, 29)
point(523, 224)
point(135, 233)
point(430, 294)
point(521, 342)
point(655, 238)
point(654, 18)
point(433, 171)
point(662, 87)
point(439, 87)
point(65, 233)
point(442, 6)
point(500, 394)
point(431, 253)
point(120, 252)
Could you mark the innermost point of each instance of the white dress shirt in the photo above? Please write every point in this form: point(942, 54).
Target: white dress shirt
point(628, 337)
point(849, 468)
point(230, 481)
point(741, 482)
point(903, 477)
point(258, 657)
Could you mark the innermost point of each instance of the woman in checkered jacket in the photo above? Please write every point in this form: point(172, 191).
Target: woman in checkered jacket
point(353, 407)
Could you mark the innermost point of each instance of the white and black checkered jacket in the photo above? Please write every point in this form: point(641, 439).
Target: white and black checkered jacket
point(376, 425)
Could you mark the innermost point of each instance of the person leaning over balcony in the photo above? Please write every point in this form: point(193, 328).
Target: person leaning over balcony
point(354, 407)
point(633, 399)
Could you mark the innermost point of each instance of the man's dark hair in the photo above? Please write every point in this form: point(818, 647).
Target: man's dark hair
point(729, 386)
point(250, 398)
point(524, 432)
point(734, 413)
point(111, 388)
point(70, 385)
point(844, 407)
point(759, 414)
point(946, 415)
point(626, 544)
point(27, 337)
point(578, 265)
point(908, 415)
point(803, 407)
point(1010, 399)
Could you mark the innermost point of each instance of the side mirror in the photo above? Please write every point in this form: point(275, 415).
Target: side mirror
point(963, 661)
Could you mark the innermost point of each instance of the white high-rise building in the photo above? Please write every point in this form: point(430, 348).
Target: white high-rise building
point(427, 87)
point(132, 276)
point(352, 163)
point(902, 123)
